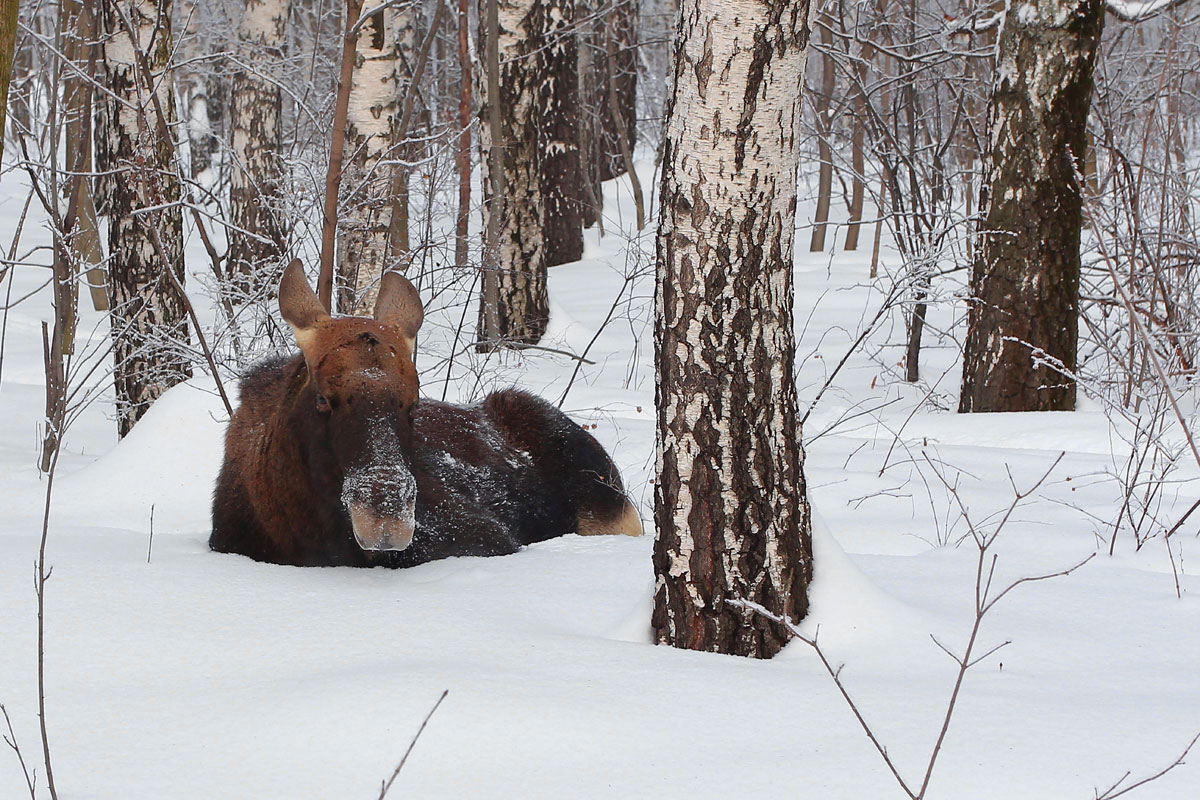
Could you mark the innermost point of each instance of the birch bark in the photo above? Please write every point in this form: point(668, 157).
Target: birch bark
point(730, 503)
point(1024, 308)
point(139, 191)
point(386, 46)
point(514, 308)
point(258, 239)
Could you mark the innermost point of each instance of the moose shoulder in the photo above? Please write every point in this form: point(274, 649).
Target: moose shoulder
point(332, 459)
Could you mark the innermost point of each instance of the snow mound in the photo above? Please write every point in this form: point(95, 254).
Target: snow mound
point(848, 610)
point(169, 460)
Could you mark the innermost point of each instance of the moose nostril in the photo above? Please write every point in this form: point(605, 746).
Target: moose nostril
point(374, 532)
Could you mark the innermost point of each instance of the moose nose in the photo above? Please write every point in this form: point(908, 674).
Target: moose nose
point(375, 532)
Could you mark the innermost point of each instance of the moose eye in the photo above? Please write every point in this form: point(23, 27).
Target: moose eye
point(322, 403)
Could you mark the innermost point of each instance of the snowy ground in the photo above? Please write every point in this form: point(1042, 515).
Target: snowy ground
point(173, 672)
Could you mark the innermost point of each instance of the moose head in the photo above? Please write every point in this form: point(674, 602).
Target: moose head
point(363, 389)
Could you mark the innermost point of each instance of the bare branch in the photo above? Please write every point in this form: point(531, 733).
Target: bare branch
point(388, 784)
point(1112, 793)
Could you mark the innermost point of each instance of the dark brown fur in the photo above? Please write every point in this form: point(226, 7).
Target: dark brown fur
point(489, 478)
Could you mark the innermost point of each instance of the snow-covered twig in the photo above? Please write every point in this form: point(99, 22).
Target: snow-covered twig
point(974, 24)
point(1139, 10)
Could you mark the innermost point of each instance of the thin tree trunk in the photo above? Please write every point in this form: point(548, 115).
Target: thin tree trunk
point(463, 156)
point(520, 309)
point(625, 138)
point(333, 175)
point(79, 26)
point(149, 318)
point(877, 240)
point(617, 25)
point(857, 164)
point(1024, 312)
point(821, 105)
point(592, 98)
point(730, 503)
point(491, 144)
point(8, 44)
point(258, 238)
point(858, 122)
point(405, 20)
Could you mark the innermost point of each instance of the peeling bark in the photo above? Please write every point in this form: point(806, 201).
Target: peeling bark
point(730, 503)
point(1024, 308)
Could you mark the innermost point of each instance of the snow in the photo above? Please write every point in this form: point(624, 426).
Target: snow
point(176, 672)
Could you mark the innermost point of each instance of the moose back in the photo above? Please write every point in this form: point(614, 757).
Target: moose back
point(332, 459)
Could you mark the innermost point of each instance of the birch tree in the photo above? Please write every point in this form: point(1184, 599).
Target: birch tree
point(514, 306)
point(258, 236)
point(386, 45)
point(139, 192)
point(1024, 306)
point(730, 504)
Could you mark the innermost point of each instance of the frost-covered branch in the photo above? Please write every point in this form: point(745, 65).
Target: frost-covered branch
point(1139, 10)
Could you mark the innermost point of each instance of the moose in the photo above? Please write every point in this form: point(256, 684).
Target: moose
point(333, 459)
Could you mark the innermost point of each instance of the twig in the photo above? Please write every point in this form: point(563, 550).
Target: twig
point(150, 545)
point(11, 741)
point(333, 177)
point(1110, 794)
point(984, 602)
point(835, 674)
point(388, 784)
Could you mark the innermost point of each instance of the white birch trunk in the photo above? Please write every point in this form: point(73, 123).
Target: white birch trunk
point(518, 278)
point(149, 321)
point(385, 49)
point(259, 237)
point(730, 503)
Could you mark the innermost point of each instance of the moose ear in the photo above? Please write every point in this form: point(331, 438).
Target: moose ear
point(298, 303)
point(399, 304)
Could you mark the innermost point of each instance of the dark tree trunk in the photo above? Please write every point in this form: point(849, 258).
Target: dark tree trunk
point(616, 31)
point(462, 158)
point(557, 114)
point(1024, 310)
point(8, 44)
point(730, 505)
point(822, 106)
point(148, 311)
point(591, 98)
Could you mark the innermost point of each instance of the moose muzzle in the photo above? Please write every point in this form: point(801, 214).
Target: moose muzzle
point(374, 532)
point(382, 501)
